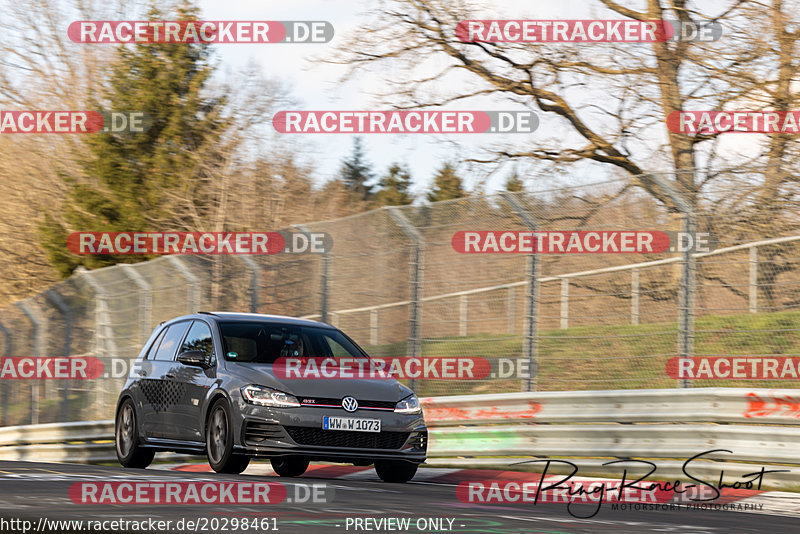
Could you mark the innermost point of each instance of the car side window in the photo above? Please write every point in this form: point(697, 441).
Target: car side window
point(151, 353)
point(337, 351)
point(199, 338)
point(167, 349)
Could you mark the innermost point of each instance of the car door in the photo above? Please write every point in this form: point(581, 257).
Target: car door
point(159, 388)
point(145, 385)
point(192, 382)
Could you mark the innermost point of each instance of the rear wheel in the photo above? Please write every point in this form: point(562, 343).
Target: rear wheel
point(395, 470)
point(126, 436)
point(289, 466)
point(219, 441)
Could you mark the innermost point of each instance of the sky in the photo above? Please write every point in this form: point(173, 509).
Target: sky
point(317, 86)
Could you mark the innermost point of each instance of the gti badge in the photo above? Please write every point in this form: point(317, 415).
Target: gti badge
point(349, 404)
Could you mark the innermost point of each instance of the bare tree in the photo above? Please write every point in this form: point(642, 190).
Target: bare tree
point(608, 103)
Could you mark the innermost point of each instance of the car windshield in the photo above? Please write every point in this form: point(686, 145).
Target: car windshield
point(263, 342)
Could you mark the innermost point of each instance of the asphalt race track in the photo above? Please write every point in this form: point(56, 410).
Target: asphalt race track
point(29, 491)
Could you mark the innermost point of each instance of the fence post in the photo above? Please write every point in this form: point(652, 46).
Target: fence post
point(463, 315)
point(753, 300)
point(324, 288)
point(373, 327)
point(687, 288)
point(634, 296)
point(324, 271)
point(191, 278)
point(4, 384)
point(104, 342)
point(145, 299)
point(414, 349)
point(687, 295)
point(512, 310)
point(39, 351)
point(66, 311)
point(564, 304)
point(255, 272)
point(531, 344)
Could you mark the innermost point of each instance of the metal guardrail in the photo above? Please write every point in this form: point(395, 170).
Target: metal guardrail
point(89, 442)
point(708, 405)
point(757, 425)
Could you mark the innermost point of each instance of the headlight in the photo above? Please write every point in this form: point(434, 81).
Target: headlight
point(264, 396)
point(408, 405)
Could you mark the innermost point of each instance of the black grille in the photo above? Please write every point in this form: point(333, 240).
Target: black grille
point(419, 440)
point(257, 431)
point(338, 402)
point(344, 438)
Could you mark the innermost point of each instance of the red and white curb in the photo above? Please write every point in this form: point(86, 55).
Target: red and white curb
point(781, 503)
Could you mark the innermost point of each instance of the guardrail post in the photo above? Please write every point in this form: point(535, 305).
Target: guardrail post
point(414, 348)
point(753, 296)
point(39, 351)
point(634, 296)
point(4, 384)
point(255, 272)
point(145, 300)
point(564, 303)
point(191, 278)
point(531, 343)
point(66, 311)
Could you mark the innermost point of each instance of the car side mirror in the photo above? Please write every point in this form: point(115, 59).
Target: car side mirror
point(196, 358)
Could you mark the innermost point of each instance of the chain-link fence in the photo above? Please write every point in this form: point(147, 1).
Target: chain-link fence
point(394, 282)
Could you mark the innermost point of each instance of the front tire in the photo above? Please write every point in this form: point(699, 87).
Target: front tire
point(398, 471)
point(130, 453)
point(289, 466)
point(219, 441)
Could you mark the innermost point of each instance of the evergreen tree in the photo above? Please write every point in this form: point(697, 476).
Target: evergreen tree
point(395, 187)
point(145, 181)
point(356, 172)
point(446, 184)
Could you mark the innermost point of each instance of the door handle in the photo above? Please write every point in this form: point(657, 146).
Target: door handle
point(169, 375)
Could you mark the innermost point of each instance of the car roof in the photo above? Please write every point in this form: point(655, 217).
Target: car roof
point(256, 318)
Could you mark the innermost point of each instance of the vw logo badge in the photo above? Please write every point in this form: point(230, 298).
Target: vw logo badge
point(349, 404)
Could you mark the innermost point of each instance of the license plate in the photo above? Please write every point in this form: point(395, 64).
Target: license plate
point(351, 423)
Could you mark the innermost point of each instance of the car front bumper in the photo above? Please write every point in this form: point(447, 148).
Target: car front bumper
point(274, 432)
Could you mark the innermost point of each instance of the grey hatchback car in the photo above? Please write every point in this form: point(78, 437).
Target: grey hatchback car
point(207, 383)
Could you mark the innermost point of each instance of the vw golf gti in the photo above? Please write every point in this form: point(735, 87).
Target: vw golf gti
point(208, 383)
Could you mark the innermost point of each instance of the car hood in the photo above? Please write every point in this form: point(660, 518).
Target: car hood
point(385, 389)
